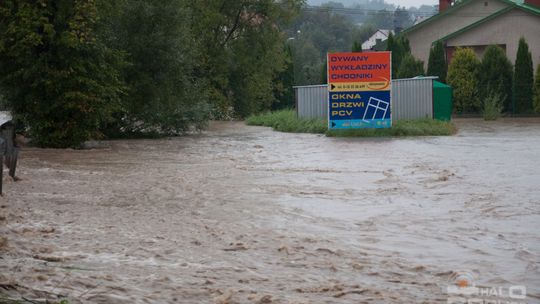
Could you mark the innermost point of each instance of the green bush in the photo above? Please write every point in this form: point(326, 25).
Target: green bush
point(462, 76)
point(492, 107)
point(410, 67)
point(287, 121)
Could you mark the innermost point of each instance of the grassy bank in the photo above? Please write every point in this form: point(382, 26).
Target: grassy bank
point(286, 121)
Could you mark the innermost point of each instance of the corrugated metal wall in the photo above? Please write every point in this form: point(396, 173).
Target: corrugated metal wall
point(312, 101)
point(411, 99)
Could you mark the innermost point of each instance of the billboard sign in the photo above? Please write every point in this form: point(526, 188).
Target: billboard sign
point(359, 90)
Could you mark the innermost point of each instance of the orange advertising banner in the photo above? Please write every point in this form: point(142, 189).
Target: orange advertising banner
point(371, 68)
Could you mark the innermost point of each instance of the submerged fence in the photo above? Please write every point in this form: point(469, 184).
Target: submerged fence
point(411, 99)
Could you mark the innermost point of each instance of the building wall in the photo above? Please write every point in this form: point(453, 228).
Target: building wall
point(504, 30)
point(422, 38)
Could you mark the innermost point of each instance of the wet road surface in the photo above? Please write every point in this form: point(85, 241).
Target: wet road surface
point(246, 215)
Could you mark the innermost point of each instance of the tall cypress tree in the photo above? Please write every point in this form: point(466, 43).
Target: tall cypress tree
point(399, 46)
point(523, 79)
point(537, 90)
point(437, 62)
point(495, 76)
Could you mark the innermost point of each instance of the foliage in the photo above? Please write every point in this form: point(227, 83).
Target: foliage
point(410, 67)
point(462, 76)
point(242, 51)
point(537, 90)
point(399, 46)
point(324, 72)
point(313, 34)
point(495, 76)
point(283, 89)
point(492, 107)
point(356, 47)
point(57, 77)
point(523, 79)
point(287, 121)
point(163, 96)
point(437, 62)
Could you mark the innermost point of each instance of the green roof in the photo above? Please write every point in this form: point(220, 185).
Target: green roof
point(512, 4)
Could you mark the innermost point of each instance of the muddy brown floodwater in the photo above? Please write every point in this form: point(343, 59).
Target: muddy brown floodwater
point(246, 215)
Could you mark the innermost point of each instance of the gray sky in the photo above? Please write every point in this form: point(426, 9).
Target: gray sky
point(408, 3)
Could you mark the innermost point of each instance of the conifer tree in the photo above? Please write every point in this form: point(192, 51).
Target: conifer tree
point(495, 76)
point(437, 62)
point(523, 79)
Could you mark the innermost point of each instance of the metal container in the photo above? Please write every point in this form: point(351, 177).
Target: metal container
point(412, 98)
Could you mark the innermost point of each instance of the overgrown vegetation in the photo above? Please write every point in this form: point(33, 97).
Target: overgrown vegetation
point(286, 121)
point(492, 107)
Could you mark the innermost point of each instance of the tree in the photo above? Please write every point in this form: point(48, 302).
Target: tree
point(437, 62)
point(243, 52)
point(462, 76)
point(523, 79)
point(356, 47)
point(57, 77)
point(324, 72)
point(399, 46)
point(537, 90)
point(402, 19)
point(284, 85)
point(163, 96)
point(410, 67)
point(495, 76)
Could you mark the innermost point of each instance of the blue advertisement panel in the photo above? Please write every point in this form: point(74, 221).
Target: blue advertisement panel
point(366, 109)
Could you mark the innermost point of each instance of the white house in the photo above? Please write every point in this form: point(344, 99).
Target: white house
point(379, 36)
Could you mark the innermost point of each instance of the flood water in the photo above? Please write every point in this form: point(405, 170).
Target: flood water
point(243, 214)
